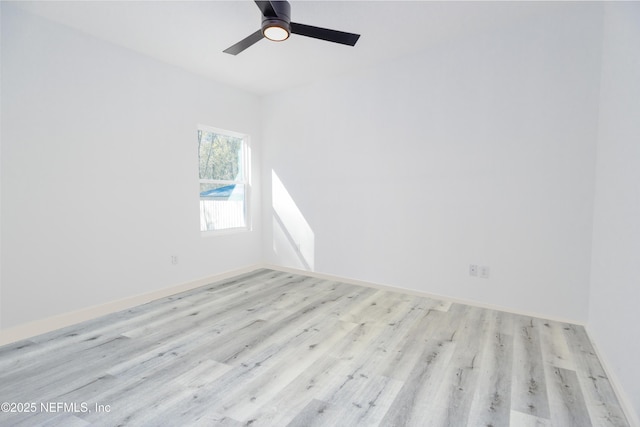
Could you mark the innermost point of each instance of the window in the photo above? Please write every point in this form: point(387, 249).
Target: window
point(224, 184)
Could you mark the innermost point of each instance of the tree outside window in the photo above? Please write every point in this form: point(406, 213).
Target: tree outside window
point(223, 179)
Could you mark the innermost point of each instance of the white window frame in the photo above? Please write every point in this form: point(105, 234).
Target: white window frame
point(246, 168)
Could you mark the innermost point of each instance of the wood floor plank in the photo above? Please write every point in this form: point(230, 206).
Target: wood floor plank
point(59, 376)
point(46, 420)
point(218, 420)
point(367, 409)
point(297, 328)
point(555, 350)
point(417, 395)
point(597, 390)
point(565, 397)
point(153, 409)
point(355, 365)
point(454, 397)
point(529, 389)
point(520, 419)
point(158, 308)
point(213, 304)
point(317, 413)
point(382, 304)
point(491, 404)
point(305, 388)
point(243, 342)
point(368, 365)
point(370, 403)
point(155, 390)
point(250, 299)
point(247, 399)
point(270, 348)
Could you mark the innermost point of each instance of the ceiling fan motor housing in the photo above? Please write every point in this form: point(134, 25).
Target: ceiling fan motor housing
point(283, 20)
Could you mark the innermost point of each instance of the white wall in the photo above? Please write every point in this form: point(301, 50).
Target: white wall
point(480, 150)
point(615, 285)
point(99, 171)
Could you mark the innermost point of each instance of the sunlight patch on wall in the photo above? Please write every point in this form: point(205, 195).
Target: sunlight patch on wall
point(293, 238)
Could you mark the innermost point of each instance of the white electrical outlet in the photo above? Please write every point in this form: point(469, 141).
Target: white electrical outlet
point(473, 270)
point(485, 271)
point(174, 259)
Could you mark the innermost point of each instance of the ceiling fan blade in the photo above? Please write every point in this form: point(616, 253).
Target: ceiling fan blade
point(245, 43)
point(267, 9)
point(325, 34)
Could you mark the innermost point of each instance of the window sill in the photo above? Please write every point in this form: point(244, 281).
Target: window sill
point(213, 233)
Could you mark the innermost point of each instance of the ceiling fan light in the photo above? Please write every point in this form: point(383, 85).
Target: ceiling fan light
point(276, 33)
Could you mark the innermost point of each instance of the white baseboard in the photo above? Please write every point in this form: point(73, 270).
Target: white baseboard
point(49, 324)
point(421, 294)
point(625, 402)
point(31, 329)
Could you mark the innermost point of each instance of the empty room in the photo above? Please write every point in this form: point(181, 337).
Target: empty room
point(319, 213)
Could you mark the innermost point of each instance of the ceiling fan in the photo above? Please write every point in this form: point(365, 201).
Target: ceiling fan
point(277, 26)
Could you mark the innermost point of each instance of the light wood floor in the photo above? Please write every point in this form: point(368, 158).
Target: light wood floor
point(275, 349)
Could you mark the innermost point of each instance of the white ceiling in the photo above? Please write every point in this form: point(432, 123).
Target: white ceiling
point(193, 34)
